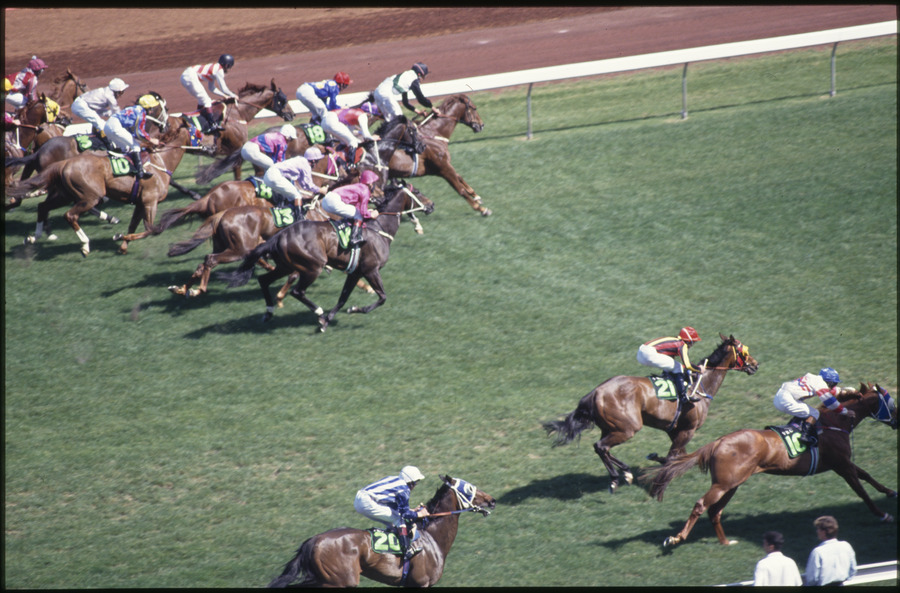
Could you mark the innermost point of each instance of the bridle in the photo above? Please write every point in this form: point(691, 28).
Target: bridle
point(740, 353)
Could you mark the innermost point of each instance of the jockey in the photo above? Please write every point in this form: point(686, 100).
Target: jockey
point(282, 176)
point(387, 501)
point(399, 85)
point(103, 100)
point(661, 353)
point(269, 148)
point(824, 385)
point(213, 74)
point(10, 120)
point(314, 96)
point(357, 118)
point(122, 127)
point(352, 201)
point(23, 86)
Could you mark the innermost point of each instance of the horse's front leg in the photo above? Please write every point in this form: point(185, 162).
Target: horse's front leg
point(376, 287)
point(72, 218)
point(612, 464)
point(680, 439)
point(851, 476)
point(864, 475)
point(136, 216)
point(149, 214)
point(464, 189)
point(349, 285)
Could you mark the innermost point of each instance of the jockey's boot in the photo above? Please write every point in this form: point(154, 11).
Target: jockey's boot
point(138, 170)
point(357, 154)
point(403, 538)
point(356, 236)
point(678, 380)
point(808, 431)
point(212, 125)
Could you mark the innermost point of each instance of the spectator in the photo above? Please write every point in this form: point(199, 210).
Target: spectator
point(776, 569)
point(833, 561)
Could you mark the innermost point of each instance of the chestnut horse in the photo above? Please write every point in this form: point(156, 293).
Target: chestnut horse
point(308, 246)
point(87, 178)
point(337, 557)
point(251, 100)
point(435, 160)
point(621, 405)
point(33, 118)
point(733, 458)
point(68, 88)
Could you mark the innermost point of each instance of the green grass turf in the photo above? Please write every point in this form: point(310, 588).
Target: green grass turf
point(153, 441)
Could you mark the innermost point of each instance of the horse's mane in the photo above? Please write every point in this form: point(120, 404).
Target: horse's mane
point(453, 99)
point(251, 88)
point(441, 493)
point(387, 126)
point(715, 359)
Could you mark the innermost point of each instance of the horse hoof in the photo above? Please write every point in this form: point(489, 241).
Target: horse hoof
point(113, 220)
point(267, 317)
point(52, 237)
point(732, 542)
point(30, 240)
point(194, 292)
point(670, 542)
point(486, 212)
point(887, 518)
point(612, 487)
point(629, 477)
point(118, 237)
point(653, 457)
point(85, 251)
point(179, 290)
point(892, 494)
point(195, 196)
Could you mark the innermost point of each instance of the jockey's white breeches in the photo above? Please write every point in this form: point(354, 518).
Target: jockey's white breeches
point(191, 82)
point(647, 355)
point(17, 100)
point(387, 102)
point(335, 127)
point(306, 94)
point(785, 402)
point(119, 136)
point(252, 153)
point(82, 110)
point(280, 184)
point(367, 506)
point(333, 203)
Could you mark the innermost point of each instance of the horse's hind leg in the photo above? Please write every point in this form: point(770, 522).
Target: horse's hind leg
point(710, 498)
point(602, 449)
point(279, 298)
point(715, 515)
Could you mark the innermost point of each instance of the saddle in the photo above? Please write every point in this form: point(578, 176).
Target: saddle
point(315, 133)
point(384, 541)
point(262, 190)
point(790, 436)
point(665, 388)
point(343, 229)
point(286, 215)
point(85, 142)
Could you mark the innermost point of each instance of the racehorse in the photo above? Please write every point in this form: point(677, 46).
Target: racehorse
point(435, 160)
point(337, 557)
point(733, 458)
point(621, 405)
point(87, 178)
point(33, 117)
point(307, 247)
point(68, 88)
point(251, 100)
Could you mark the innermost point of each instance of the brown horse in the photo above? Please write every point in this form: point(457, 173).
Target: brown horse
point(337, 558)
point(435, 160)
point(251, 100)
point(733, 458)
point(621, 405)
point(87, 178)
point(308, 246)
point(68, 88)
point(33, 118)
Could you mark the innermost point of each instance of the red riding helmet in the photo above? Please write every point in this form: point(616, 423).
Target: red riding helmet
point(342, 78)
point(689, 334)
point(36, 65)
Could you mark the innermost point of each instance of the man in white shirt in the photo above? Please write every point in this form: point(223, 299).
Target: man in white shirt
point(776, 569)
point(833, 561)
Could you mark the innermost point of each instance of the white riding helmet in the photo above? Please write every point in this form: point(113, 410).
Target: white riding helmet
point(289, 131)
point(313, 154)
point(411, 473)
point(117, 85)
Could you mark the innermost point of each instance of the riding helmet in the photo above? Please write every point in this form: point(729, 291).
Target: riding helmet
point(830, 375)
point(368, 177)
point(343, 78)
point(689, 334)
point(36, 64)
point(370, 108)
point(420, 69)
point(410, 473)
point(117, 85)
point(289, 131)
point(226, 61)
point(313, 154)
point(148, 101)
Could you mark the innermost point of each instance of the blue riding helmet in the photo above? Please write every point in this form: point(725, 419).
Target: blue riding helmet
point(830, 375)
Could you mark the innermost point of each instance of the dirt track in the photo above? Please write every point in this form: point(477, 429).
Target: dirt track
point(149, 48)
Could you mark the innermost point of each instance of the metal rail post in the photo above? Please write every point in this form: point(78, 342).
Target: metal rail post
point(833, 64)
point(684, 92)
point(528, 103)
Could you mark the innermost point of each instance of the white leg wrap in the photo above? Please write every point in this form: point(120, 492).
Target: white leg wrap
point(38, 230)
point(83, 236)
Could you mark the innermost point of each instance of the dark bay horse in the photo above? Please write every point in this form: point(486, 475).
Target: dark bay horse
point(435, 160)
point(87, 178)
point(621, 405)
point(251, 100)
point(307, 247)
point(733, 458)
point(337, 558)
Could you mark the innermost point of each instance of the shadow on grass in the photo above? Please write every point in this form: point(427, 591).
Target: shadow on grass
point(857, 525)
point(561, 487)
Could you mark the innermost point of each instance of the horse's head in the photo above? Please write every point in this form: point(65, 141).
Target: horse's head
point(883, 406)
point(461, 108)
point(279, 104)
point(155, 113)
point(466, 496)
point(733, 356)
point(412, 199)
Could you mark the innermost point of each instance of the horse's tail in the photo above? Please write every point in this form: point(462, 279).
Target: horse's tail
point(203, 233)
point(570, 427)
point(44, 179)
point(242, 275)
point(22, 160)
point(218, 167)
point(168, 218)
point(679, 466)
point(300, 563)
